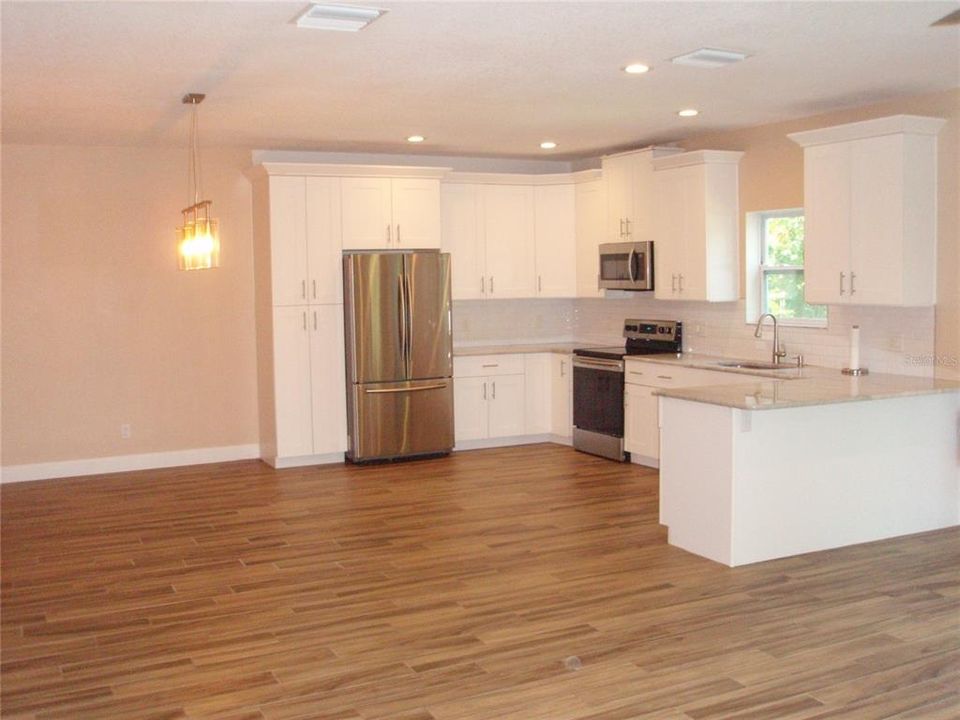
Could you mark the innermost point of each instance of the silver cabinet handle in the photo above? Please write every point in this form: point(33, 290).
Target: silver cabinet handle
point(483, 286)
point(635, 372)
point(621, 228)
point(421, 388)
point(842, 276)
point(389, 234)
point(494, 389)
point(680, 282)
point(491, 284)
point(539, 283)
point(563, 368)
point(314, 289)
point(304, 319)
point(853, 277)
point(627, 221)
point(665, 377)
point(398, 233)
point(490, 365)
point(673, 283)
point(314, 319)
point(484, 391)
point(303, 289)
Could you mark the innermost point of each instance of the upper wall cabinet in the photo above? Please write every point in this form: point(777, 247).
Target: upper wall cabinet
point(507, 239)
point(870, 200)
point(628, 178)
point(697, 226)
point(390, 213)
point(302, 219)
point(591, 214)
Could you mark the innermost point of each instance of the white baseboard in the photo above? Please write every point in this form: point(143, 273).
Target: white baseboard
point(644, 460)
point(124, 463)
point(508, 441)
point(301, 460)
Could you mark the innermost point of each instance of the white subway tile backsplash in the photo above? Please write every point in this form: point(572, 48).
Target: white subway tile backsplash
point(893, 340)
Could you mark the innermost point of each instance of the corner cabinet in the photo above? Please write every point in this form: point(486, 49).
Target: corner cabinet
point(696, 253)
point(870, 201)
point(629, 194)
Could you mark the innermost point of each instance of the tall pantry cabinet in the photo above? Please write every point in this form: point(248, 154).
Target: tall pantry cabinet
point(299, 309)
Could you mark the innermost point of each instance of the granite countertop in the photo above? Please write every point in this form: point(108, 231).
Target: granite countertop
point(700, 361)
point(825, 388)
point(556, 347)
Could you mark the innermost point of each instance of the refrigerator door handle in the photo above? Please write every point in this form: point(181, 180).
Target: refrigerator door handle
point(408, 324)
point(421, 388)
point(402, 307)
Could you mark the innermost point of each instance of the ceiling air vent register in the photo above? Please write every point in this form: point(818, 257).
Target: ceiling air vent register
point(709, 58)
point(346, 18)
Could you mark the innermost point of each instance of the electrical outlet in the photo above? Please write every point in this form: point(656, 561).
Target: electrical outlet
point(125, 431)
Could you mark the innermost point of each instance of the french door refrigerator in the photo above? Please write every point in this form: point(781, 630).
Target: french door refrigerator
point(399, 354)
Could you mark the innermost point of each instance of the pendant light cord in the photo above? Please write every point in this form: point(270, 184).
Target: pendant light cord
point(194, 178)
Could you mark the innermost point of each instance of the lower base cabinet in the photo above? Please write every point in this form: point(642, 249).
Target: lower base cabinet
point(309, 394)
point(488, 397)
point(641, 431)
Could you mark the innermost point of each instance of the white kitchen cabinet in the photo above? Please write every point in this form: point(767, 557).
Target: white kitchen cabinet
point(459, 204)
point(538, 389)
point(697, 226)
point(555, 240)
point(304, 231)
point(489, 397)
point(507, 222)
point(630, 208)
point(870, 195)
point(561, 395)
point(590, 203)
point(381, 213)
point(309, 392)
point(641, 432)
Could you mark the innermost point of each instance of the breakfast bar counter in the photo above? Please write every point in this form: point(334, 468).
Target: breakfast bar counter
point(774, 468)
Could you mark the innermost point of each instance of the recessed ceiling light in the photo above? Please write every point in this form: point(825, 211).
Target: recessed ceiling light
point(709, 58)
point(416, 138)
point(348, 18)
point(636, 69)
point(688, 112)
point(548, 145)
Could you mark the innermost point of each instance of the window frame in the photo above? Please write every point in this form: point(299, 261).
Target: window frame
point(758, 269)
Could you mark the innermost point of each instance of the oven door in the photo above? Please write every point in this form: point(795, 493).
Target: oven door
point(598, 395)
point(626, 266)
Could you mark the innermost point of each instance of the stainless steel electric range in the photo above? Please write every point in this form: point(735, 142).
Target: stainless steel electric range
point(598, 375)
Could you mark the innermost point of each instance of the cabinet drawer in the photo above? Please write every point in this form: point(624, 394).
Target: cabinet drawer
point(485, 365)
point(671, 376)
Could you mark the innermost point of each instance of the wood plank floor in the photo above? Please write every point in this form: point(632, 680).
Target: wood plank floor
point(512, 584)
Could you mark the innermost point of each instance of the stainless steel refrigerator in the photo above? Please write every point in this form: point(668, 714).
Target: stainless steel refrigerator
point(399, 359)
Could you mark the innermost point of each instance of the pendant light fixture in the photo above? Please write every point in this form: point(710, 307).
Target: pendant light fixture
point(198, 241)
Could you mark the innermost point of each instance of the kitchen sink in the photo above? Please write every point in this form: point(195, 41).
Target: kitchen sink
point(757, 365)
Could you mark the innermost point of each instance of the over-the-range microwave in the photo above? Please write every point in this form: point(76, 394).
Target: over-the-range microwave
point(626, 266)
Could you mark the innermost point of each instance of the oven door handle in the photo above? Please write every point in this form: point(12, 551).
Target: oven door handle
point(598, 364)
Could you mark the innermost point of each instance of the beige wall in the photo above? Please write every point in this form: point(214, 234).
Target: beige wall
point(771, 177)
point(99, 326)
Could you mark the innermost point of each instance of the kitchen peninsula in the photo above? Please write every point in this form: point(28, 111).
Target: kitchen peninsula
point(773, 468)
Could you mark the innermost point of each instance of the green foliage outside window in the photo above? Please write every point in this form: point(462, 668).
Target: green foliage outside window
point(783, 269)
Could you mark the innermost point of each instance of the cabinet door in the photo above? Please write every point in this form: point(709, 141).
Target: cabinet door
point(670, 229)
point(366, 213)
point(826, 198)
point(537, 388)
point(291, 372)
point(692, 277)
point(641, 426)
point(416, 213)
point(461, 238)
point(328, 388)
point(555, 241)
point(590, 223)
point(505, 400)
point(508, 240)
point(288, 240)
point(325, 278)
point(643, 210)
point(618, 177)
point(470, 408)
point(561, 396)
point(876, 221)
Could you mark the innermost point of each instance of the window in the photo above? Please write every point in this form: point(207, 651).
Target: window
point(776, 239)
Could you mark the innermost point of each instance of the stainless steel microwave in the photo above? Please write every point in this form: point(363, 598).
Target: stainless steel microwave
point(626, 266)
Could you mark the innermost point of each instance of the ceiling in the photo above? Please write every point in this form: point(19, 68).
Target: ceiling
point(475, 78)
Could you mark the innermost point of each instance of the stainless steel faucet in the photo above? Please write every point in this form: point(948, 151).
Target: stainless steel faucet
point(778, 352)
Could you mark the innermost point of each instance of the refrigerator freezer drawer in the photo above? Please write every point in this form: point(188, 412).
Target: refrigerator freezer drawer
point(399, 419)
